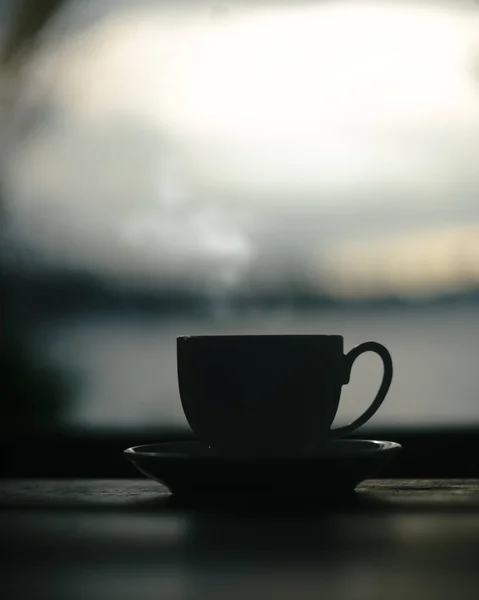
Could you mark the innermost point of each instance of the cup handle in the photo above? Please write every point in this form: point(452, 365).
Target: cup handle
point(383, 388)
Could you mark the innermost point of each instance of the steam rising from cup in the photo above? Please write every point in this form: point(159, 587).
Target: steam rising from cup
point(197, 240)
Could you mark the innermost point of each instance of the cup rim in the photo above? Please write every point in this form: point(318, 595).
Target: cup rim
point(260, 336)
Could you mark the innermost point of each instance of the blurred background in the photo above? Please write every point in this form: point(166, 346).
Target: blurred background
point(235, 166)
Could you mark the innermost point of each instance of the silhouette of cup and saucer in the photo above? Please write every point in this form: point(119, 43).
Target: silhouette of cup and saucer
point(262, 407)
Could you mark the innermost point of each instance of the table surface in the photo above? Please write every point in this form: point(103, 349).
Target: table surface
point(86, 539)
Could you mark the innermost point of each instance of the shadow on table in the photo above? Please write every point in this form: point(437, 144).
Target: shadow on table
point(145, 496)
point(397, 497)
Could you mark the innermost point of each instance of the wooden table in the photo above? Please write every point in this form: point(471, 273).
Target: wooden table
point(86, 539)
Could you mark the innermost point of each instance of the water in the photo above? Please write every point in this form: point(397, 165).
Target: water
point(126, 365)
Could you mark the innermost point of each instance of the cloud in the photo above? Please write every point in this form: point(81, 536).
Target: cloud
point(161, 129)
point(420, 263)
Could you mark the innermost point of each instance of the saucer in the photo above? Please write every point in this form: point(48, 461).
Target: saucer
point(191, 468)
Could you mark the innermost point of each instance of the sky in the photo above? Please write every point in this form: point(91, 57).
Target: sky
point(205, 145)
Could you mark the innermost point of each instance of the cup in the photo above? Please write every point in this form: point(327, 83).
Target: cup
point(269, 394)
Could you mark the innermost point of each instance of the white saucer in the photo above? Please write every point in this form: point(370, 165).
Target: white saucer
point(192, 468)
